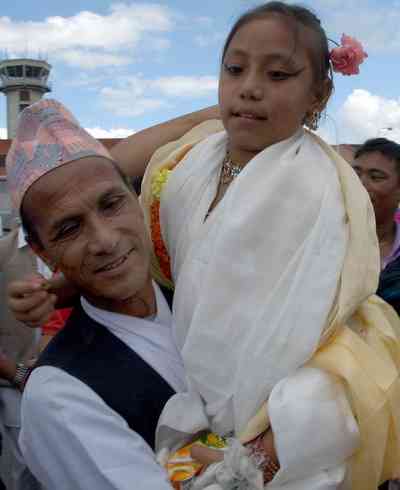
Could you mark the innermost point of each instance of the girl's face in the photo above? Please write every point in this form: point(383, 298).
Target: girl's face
point(266, 86)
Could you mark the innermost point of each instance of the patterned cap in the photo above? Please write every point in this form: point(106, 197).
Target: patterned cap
point(48, 136)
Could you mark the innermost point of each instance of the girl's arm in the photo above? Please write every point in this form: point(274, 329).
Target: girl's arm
point(134, 152)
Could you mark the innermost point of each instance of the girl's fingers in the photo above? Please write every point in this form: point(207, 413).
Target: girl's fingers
point(206, 455)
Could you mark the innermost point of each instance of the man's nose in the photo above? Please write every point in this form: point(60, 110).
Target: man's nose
point(103, 238)
point(365, 180)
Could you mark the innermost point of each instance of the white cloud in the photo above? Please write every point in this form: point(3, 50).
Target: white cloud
point(92, 59)
point(373, 22)
point(205, 40)
point(125, 102)
point(134, 96)
point(367, 115)
point(83, 79)
point(3, 133)
point(116, 34)
point(364, 115)
point(97, 132)
point(180, 86)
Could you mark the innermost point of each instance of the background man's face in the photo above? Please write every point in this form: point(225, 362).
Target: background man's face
point(91, 228)
point(379, 176)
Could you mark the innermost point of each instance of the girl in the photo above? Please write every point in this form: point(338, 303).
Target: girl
point(271, 244)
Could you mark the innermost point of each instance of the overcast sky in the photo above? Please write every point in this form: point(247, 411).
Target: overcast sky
point(122, 66)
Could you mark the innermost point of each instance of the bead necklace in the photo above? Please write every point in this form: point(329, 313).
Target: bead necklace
point(229, 170)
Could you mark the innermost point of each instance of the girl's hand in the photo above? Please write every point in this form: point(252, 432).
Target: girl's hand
point(269, 446)
point(206, 455)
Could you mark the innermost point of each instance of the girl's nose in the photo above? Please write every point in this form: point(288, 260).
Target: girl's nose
point(252, 88)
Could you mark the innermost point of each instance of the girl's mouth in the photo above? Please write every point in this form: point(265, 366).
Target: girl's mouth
point(249, 115)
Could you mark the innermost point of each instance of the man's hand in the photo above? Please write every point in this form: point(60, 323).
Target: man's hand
point(31, 300)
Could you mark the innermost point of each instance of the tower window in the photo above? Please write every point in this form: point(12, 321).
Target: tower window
point(24, 96)
point(11, 71)
point(32, 71)
point(23, 106)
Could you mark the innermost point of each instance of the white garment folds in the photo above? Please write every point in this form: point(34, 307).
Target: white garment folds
point(243, 277)
point(254, 286)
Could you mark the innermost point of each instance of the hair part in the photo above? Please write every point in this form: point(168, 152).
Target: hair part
point(299, 17)
point(28, 223)
point(385, 147)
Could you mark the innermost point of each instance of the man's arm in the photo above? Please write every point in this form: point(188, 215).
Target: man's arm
point(134, 152)
point(71, 439)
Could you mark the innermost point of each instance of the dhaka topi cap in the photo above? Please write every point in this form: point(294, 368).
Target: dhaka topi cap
point(47, 137)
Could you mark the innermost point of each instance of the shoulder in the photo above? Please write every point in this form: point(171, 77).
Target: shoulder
point(70, 438)
point(53, 397)
point(50, 389)
point(318, 157)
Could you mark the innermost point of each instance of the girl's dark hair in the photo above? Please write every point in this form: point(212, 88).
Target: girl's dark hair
point(387, 148)
point(300, 16)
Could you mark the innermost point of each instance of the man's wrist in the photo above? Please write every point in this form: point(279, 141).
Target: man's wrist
point(21, 376)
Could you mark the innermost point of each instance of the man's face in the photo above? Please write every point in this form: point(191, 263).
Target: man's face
point(91, 228)
point(379, 176)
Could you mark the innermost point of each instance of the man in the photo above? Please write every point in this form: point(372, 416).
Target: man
point(18, 345)
point(91, 405)
point(377, 163)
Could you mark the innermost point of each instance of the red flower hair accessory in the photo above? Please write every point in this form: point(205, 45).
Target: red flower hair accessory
point(348, 56)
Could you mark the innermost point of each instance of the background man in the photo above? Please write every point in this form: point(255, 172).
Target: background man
point(377, 163)
point(18, 346)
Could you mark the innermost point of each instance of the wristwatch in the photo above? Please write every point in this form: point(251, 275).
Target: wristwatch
point(21, 375)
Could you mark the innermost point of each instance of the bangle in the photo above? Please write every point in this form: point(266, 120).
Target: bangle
point(21, 375)
point(263, 461)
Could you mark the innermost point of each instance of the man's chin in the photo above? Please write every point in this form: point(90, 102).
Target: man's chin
point(121, 293)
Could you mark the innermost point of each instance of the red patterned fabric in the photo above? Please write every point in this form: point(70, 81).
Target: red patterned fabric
point(56, 321)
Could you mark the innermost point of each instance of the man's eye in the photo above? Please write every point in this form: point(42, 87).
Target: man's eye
point(66, 231)
point(233, 69)
point(112, 204)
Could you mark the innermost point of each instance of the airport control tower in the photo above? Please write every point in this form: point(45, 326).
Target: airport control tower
point(23, 81)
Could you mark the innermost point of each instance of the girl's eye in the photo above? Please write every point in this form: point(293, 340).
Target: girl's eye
point(233, 69)
point(279, 75)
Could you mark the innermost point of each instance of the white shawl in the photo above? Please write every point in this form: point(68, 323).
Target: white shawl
point(255, 282)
